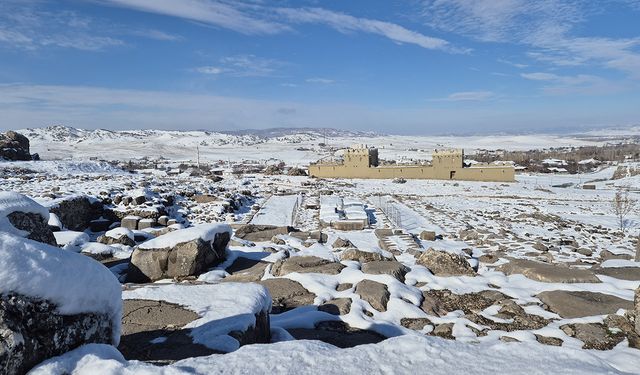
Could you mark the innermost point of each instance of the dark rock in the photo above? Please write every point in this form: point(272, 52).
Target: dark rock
point(416, 324)
point(246, 270)
point(31, 331)
point(577, 304)
point(306, 264)
point(124, 238)
point(546, 340)
point(444, 330)
point(443, 263)
point(428, 235)
point(593, 335)
point(146, 320)
point(548, 273)
point(287, 294)
point(76, 213)
point(341, 242)
point(362, 256)
point(260, 233)
point(375, 293)
point(99, 225)
point(35, 224)
point(336, 333)
point(189, 258)
point(338, 306)
point(14, 146)
point(296, 172)
point(393, 268)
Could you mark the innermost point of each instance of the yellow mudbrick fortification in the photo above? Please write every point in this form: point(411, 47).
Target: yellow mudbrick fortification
point(362, 162)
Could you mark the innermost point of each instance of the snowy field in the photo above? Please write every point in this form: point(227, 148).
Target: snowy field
point(277, 210)
point(524, 246)
point(295, 149)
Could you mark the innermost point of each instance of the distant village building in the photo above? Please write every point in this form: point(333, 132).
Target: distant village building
point(362, 162)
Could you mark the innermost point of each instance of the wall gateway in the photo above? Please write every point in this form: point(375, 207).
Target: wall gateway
point(362, 162)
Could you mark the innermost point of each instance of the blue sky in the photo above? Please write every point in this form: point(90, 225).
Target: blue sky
point(407, 67)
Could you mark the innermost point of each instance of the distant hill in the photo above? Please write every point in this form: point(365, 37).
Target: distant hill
point(67, 134)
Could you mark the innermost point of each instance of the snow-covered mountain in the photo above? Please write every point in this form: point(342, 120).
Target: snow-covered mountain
point(71, 135)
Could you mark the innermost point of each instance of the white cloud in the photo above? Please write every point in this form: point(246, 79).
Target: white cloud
point(573, 84)
point(214, 70)
point(502, 20)
point(156, 34)
point(345, 23)
point(259, 18)
point(517, 65)
point(324, 81)
point(24, 26)
point(210, 12)
point(243, 66)
point(470, 96)
point(546, 26)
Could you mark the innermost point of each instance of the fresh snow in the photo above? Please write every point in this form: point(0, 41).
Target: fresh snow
point(14, 202)
point(223, 308)
point(278, 210)
point(206, 232)
point(119, 232)
point(399, 355)
point(74, 282)
point(71, 240)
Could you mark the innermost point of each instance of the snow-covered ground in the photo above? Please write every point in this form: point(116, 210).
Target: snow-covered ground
point(489, 223)
point(277, 210)
point(294, 148)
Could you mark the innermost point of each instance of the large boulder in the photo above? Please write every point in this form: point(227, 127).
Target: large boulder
point(443, 263)
point(76, 213)
point(122, 236)
point(22, 216)
point(375, 293)
point(578, 304)
point(287, 294)
point(14, 146)
point(167, 322)
point(362, 256)
point(548, 273)
point(306, 264)
point(393, 268)
point(33, 330)
point(181, 253)
point(51, 302)
point(260, 233)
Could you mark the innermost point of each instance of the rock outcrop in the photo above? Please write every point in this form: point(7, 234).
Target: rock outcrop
point(22, 216)
point(32, 331)
point(362, 256)
point(121, 236)
point(578, 304)
point(375, 293)
point(260, 233)
point(35, 224)
point(182, 253)
point(77, 213)
point(306, 264)
point(14, 146)
point(287, 294)
point(443, 263)
point(548, 273)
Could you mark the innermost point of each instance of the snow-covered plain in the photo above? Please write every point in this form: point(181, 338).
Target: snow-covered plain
point(298, 148)
point(401, 355)
point(578, 225)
